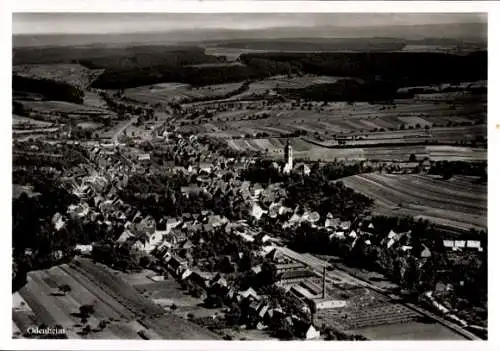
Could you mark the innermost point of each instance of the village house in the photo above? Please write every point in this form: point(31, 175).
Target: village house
point(219, 281)
point(249, 294)
point(309, 333)
point(201, 278)
point(83, 249)
point(175, 263)
point(285, 267)
point(327, 303)
point(289, 278)
point(460, 245)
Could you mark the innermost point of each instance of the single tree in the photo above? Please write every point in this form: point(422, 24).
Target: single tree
point(86, 310)
point(86, 330)
point(65, 288)
point(102, 324)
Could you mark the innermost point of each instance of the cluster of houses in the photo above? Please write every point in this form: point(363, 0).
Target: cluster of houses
point(461, 245)
point(255, 306)
point(172, 235)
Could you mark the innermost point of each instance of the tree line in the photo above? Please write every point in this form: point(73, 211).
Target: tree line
point(50, 89)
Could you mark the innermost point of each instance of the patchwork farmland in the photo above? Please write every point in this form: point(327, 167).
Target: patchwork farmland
point(273, 147)
point(434, 129)
point(406, 116)
point(175, 92)
point(125, 312)
point(457, 204)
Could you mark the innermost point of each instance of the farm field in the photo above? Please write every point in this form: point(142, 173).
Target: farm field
point(73, 74)
point(284, 82)
point(460, 205)
point(165, 93)
point(92, 99)
point(273, 147)
point(364, 125)
point(30, 131)
point(413, 330)
point(358, 120)
point(114, 300)
point(441, 134)
point(51, 107)
point(18, 120)
point(169, 292)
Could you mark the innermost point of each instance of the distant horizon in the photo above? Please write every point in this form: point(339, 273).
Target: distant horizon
point(46, 24)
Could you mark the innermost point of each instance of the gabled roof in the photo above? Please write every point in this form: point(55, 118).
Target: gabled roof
point(274, 254)
point(220, 281)
point(391, 234)
point(250, 292)
point(257, 269)
point(425, 253)
point(186, 274)
point(187, 244)
point(124, 236)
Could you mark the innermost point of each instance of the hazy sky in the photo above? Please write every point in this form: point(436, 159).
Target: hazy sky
point(101, 23)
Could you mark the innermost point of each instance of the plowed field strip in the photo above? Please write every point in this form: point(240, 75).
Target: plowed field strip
point(40, 305)
point(432, 186)
point(66, 303)
point(118, 289)
point(83, 296)
point(169, 326)
point(419, 185)
point(46, 308)
point(455, 184)
point(97, 291)
point(411, 193)
point(390, 191)
point(24, 320)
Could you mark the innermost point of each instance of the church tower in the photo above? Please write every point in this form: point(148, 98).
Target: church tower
point(288, 154)
point(288, 158)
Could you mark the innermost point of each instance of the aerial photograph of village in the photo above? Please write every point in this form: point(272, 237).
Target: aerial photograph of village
point(249, 177)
